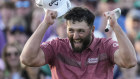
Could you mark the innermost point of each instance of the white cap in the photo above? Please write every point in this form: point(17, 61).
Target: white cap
point(61, 6)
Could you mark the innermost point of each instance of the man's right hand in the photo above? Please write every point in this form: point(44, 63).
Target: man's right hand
point(50, 17)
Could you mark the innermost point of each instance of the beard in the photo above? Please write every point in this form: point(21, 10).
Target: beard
point(84, 41)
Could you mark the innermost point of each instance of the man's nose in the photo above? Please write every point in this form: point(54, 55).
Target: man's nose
point(76, 35)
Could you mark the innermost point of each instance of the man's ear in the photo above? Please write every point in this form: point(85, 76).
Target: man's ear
point(93, 28)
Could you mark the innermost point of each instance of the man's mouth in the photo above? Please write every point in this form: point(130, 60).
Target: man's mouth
point(77, 43)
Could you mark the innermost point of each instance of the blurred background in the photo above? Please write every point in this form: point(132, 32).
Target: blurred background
point(20, 18)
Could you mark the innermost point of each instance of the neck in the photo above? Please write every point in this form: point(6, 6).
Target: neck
point(14, 69)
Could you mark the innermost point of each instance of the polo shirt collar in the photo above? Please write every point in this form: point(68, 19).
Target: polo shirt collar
point(93, 44)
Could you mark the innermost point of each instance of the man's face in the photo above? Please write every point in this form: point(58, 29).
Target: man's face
point(79, 34)
point(23, 7)
point(136, 25)
point(7, 14)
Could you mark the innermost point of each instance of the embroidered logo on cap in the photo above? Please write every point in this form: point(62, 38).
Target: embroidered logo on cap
point(55, 2)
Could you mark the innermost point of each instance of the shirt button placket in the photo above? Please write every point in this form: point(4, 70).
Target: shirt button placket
point(83, 60)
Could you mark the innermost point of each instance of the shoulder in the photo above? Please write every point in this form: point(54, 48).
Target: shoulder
point(56, 42)
point(59, 40)
point(104, 42)
point(109, 43)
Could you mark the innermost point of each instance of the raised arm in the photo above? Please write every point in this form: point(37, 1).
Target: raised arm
point(32, 55)
point(125, 56)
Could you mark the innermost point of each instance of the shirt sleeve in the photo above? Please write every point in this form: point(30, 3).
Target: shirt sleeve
point(111, 47)
point(48, 50)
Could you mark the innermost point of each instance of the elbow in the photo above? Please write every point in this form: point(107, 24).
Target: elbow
point(130, 64)
point(25, 61)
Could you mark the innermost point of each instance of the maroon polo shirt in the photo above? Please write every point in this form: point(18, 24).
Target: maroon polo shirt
point(95, 62)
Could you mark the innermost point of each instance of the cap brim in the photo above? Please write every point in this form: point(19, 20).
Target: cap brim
point(63, 9)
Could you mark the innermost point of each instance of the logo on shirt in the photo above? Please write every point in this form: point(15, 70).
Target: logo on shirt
point(115, 44)
point(92, 60)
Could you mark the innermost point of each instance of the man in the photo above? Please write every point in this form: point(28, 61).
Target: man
point(7, 12)
point(81, 55)
point(24, 9)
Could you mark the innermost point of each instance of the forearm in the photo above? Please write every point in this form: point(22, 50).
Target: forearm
point(126, 49)
point(31, 48)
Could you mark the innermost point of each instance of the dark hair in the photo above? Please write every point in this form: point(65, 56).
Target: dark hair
point(80, 14)
point(9, 5)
